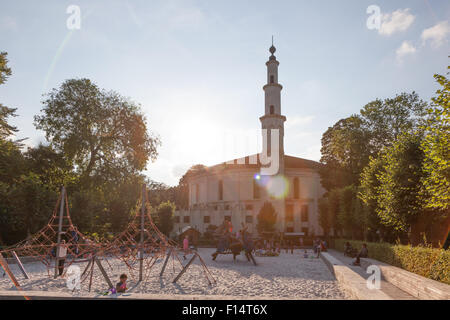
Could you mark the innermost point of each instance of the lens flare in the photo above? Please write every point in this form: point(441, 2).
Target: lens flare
point(278, 187)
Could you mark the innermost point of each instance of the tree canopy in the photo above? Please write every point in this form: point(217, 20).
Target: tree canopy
point(102, 133)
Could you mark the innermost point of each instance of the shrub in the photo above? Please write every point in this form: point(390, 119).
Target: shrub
point(425, 261)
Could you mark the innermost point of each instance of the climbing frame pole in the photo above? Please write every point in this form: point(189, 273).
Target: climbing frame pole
point(102, 270)
point(165, 262)
point(184, 269)
point(19, 263)
point(141, 253)
point(60, 222)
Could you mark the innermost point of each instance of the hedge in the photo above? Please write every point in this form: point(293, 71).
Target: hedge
point(425, 261)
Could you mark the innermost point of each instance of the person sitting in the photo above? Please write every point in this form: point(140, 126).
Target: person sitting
point(348, 249)
point(323, 246)
point(305, 254)
point(363, 253)
point(121, 286)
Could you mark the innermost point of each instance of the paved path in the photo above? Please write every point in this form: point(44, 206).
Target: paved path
point(386, 287)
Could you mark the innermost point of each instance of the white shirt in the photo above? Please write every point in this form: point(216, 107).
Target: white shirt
point(62, 251)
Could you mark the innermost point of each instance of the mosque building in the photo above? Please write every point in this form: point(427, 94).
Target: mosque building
point(237, 189)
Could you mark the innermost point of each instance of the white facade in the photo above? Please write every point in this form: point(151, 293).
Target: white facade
point(231, 191)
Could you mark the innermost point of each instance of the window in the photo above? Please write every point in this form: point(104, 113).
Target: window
point(272, 109)
point(296, 189)
point(305, 213)
point(197, 193)
point(289, 229)
point(249, 207)
point(227, 207)
point(256, 191)
point(177, 219)
point(272, 79)
point(248, 219)
point(220, 190)
point(216, 208)
point(305, 231)
point(289, 213)
point(186, 219)
point(206, 219)
point(228, 218)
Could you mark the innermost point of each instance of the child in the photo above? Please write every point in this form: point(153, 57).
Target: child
point(185, 246)
point(305, 255)
point(121, 286)
point(61, 256)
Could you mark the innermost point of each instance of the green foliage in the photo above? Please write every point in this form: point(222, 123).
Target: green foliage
point(5, 72)
point(349, 144)
point(165, 213)
point(324, 215)
point(267, 217)
point(30, 204)
point(102, 133)
point(422, 260)
point(98, 146)
point(345, 214)
point(344, 153)
point(399, 200)
point(436, 147)
point(387, 119)
point(334, 202)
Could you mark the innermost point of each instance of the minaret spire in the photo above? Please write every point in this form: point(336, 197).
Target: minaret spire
point(273, 119)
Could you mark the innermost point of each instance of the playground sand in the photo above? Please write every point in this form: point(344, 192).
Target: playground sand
point(286, 276)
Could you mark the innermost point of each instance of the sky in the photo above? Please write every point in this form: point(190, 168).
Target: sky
point(197, 68)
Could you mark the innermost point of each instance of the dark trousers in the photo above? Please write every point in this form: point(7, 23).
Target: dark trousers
point(61, 265)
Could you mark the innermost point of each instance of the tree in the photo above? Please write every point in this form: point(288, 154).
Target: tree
point(165, 213)
point(267, 217)
point(333, 210)
point(344, 153)
point(348, 145)
point(368, 193)
point(345, 214)
point(102, 133)
point(31, 203)
point(399, 192)
point(5, 128)
point(387, 119)
point(436, 148)
point(51, 167)
point(324, 215)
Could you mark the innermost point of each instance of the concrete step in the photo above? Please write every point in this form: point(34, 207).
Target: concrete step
point(386, 287)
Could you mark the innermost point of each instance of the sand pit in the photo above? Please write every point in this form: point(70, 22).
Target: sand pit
point(286, 276)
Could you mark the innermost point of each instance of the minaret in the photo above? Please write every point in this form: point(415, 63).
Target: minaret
point(272, 118)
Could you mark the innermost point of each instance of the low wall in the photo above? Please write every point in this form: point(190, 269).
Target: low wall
point(417, 286)
point(353, 283)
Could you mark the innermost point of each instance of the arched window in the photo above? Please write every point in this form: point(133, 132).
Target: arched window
point(272, 79)
point(220, 190)
point(296, 189)
point(272, 109)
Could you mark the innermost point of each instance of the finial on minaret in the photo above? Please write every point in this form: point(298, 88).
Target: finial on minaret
point(272, 50)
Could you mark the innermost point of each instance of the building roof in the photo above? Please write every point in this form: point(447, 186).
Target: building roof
point(290, 162)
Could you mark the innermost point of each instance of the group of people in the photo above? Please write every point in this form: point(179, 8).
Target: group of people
point(236, 242)
point(350, 251)
point(319, 246)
